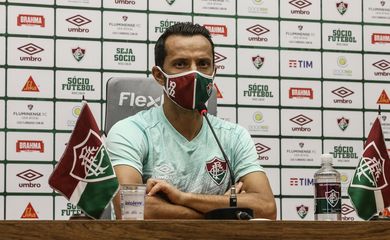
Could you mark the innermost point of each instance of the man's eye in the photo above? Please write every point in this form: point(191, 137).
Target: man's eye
point(204, 64)
point(179, 64)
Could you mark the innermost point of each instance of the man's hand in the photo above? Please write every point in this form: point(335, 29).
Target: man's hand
point(154, 186)
point(238, 189)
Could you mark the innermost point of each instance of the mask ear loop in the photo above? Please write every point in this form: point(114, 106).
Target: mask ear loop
point(166, 78)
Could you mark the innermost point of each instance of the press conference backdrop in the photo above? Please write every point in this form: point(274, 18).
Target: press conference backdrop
point(303, 76)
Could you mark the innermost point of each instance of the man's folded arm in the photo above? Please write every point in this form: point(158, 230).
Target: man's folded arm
point(256, 194)
point(155, 207)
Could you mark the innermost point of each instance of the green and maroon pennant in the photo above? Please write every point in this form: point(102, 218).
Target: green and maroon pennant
point(369, 189)
point(84, 174)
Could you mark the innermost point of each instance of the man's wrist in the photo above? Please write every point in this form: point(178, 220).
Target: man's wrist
point(185, 199)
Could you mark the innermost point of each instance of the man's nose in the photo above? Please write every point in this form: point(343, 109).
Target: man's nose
point(193, 66)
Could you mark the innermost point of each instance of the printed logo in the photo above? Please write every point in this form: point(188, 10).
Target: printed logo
point(128, 2)
point(216, 29)
point(70, 210)
point(218, 57)
point(345, 210)
point(89, 156)
point(76, 110)
point(383, 98)
point(258, 30)
point(30, 49)
point(343, 123)
point(258, 61)
point(380, 38)
point(29, 212)
point(78, 20)
point(78, 84)
point(300, 4)
point(258, 90)
point(302, 211)
point(164, 169)
point(301, 120)
point(219, 94)
point(139, 101)
point(258, 117)
point(332, 197)
point(342, 92)
point(294, 181)
point(342, 7)
point(383, 3)
point(261, 148)
point(170, 2)
point(217, 169)
point(30, 146)
point(124, 56)
point(382, 65)
point(342, 36)
point(29, 175)
point(342, 62)
point(30, 20)
point(257, 2)
point(124, 18)
point(345, 152)
point(371, 172)
point(30, 86)
point(30, 107)
point(78, 53)
point(300, 93)
point(293, 63)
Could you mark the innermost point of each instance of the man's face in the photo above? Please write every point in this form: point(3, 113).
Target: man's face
point(187, 53)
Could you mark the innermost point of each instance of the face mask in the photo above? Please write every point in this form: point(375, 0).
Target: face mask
point(188, 89)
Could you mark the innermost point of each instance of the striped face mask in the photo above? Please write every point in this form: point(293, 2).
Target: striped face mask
point(188, 89)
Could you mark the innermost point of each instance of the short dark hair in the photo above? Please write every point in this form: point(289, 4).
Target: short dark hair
point(183, 29)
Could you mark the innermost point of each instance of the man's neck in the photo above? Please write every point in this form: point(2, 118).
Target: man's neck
point(187, 123)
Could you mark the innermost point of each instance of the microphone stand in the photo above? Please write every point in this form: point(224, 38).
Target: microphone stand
point(232, 212)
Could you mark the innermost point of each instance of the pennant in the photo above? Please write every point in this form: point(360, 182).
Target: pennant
point(84, 174)
point(369, 189)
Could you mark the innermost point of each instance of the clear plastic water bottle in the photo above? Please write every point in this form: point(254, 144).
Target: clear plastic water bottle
point(327, 191)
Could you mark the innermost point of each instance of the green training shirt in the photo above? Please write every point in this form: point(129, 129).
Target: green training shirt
point(149, 143)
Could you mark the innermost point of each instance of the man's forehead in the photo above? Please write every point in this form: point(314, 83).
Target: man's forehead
point(174, 43)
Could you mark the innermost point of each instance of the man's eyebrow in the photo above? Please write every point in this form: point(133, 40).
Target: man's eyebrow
point(179, 59)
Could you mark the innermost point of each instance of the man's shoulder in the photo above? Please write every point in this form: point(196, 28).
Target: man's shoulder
point(142, 120)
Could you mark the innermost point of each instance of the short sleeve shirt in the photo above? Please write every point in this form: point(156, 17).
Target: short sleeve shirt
point(150, 144)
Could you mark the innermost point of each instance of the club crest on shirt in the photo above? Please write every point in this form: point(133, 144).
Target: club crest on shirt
point(217, 170)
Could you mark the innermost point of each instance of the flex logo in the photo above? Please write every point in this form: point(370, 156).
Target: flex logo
point(139, 101)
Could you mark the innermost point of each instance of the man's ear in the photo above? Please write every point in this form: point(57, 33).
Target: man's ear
point(158, 76)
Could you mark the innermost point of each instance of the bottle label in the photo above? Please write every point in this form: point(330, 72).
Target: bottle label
point(327, 198)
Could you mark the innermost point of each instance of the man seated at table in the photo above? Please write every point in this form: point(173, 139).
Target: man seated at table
point(171, 148)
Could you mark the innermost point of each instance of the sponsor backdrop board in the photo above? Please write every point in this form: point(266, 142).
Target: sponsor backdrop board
point(304, 77)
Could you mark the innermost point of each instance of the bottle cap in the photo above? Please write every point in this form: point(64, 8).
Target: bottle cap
point(326, 158)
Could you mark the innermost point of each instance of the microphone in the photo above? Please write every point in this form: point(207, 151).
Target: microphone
point(233, 212)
